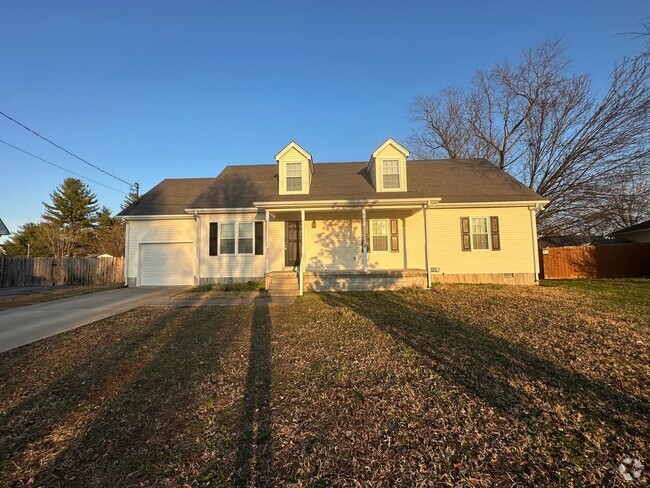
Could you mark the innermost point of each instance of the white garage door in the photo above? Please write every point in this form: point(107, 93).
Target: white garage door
point(166, 264)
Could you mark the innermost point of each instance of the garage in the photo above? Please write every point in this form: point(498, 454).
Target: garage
point(166, 264)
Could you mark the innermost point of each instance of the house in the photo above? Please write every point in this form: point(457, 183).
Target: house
point(3, 229)
point(578, 240)
point(635, 233)
point(303, 225)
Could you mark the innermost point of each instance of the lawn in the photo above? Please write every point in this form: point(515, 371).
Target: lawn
point(48, 294)
point(464, 385)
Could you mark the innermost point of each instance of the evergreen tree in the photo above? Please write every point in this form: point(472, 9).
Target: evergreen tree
point(28, 236)
point(73, 205)
point(131, 199)
point(104, 218)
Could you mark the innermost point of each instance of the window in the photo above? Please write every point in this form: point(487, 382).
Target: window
point(245, 238)
point(480, 235)
point(294, 176)
point(227, 239)
point(379, 235)
point(390, 174)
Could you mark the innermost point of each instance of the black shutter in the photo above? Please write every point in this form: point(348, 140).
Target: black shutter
point(465, 236)
point(259, 238)
point(494, 232)
point(394, 235)
point(214, 238)
point(367, 230)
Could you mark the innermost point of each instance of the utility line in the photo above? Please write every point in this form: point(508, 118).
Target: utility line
point(61, 167)
point(65, 150)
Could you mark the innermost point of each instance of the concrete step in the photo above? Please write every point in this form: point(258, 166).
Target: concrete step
point(284, 286)
point(284, 293)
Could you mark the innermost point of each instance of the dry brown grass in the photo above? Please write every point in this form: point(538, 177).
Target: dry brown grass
point(48, 295)
point(462, 385)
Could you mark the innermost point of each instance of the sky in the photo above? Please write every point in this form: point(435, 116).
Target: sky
point(150, 90)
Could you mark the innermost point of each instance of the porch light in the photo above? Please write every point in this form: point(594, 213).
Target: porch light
point(313, 224)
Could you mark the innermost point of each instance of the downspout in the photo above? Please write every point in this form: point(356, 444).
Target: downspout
point(533, 231)
point(126, 252)
point(363, 239)
point(197, 219)
point(266, 243)
point(302, 249)
point(426, 245)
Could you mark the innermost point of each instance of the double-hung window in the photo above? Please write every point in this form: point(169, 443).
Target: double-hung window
point(245, 238)
point(379, 235)
point(227, 239)
point(294, 176)
point(236, 238)
point(390, 174)
point(480, 233)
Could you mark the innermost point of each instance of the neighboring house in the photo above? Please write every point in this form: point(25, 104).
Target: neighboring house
point(635, 233)
point(3, 229)
point(578, 240)
point(303, 225)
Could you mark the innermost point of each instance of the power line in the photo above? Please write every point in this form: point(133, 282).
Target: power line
point(61, 167)
point(64, 149)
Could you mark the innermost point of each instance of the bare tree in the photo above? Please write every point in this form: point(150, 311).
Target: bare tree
point(545, 127)
point(60, 242)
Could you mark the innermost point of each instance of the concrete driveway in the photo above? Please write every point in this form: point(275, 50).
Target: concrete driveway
point(23, 325)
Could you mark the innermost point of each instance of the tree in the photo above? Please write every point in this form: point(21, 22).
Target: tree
point(73, 205)
point(131, 199)
point(109, 234)
point(27, 237)
point(60, 242)
point(546, 127)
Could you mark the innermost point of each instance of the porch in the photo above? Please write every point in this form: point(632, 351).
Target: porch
point(336, 247)
point(287, 283)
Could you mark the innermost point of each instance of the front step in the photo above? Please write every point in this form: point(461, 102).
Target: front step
point(284, 283)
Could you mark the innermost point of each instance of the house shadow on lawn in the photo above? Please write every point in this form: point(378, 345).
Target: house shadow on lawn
point(493, 369)
point(156, 428)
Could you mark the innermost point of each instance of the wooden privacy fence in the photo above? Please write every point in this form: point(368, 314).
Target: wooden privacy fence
point(19, 271)
point(608, 261)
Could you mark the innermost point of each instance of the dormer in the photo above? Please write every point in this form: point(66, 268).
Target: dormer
point(387, 167)
point(295, 169)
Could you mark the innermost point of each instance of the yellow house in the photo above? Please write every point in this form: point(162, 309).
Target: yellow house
point(301, 225)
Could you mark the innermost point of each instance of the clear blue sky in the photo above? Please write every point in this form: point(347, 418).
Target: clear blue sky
point(156, 89)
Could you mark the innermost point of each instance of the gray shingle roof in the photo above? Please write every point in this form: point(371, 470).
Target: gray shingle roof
point(634, 228)
point(454, 181)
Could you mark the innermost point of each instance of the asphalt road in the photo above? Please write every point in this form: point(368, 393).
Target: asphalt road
point(24, 325)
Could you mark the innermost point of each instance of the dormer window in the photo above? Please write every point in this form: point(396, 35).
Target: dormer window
point(390, 174)
point(294, 177)
point(295, 170)
point(387, 167)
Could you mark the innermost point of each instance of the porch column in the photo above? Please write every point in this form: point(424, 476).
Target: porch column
point(302, 249)
point(364, 244)
point(266, 242)
point(426, 246)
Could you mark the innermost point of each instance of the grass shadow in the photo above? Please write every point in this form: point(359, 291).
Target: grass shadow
point(504, 375)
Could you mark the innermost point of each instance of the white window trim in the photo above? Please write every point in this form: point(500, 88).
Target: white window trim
point(286, 176)
point(236, 234)
point(371, 244)
point(399, 173)
point(471, 234)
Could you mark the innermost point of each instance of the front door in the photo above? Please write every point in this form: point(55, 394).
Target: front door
point(292, 244)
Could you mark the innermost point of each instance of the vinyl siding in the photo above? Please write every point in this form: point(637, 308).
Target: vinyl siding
point(335, 243)
point(229, 265)
point(389, 152)
point(156, 231)
point(517, 244)
point(294, 156)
